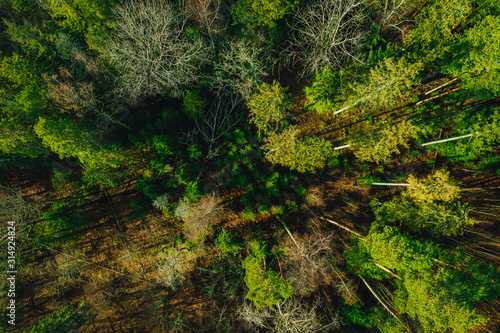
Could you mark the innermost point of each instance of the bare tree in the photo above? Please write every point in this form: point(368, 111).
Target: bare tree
point(326, 33)
point(198, 217)
point(291, 316)
point(207, 14)
point(151, 49)
point(219, 119)
point(394, 13)
point(241, 67)
point(309, 262)
point(13, 206)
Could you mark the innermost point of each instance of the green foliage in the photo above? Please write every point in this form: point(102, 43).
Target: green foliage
point(379, 48)
point(24, 8)
point(88, 19)
point(475, 59)
point(67, 139)
point(322, 95)
point(227, 241)
point(447, 219)
point(303, 155)
point(432, 307)
point(163, 145)
point(22, 96)
point(434, 27)
point(225, 276)
point(368, 179)
point(394, 250)
point(65, 320)
point(257, 13)
point(268, 106)
point(490, 164)
point(387, 82)
point(193, 104)
point(33, 44)
point(248, 214)
point(373, 317)
point(486, 135)
point(194, 151)
point(439, 297)
point(265, 287)
point(378, 144)
point(436, 187)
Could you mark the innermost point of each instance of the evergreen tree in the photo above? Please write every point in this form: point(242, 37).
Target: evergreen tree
point(434, 28)
point(22, 99)
point(475, 58)
point(66, 139)
point(432, 307)
point(439, 297)
point(486, 135)
point(65, 320)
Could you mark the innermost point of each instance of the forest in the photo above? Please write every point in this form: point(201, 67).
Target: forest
point(250, 166)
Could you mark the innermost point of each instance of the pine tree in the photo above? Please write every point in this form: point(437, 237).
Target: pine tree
point(475, 58)
point(22, 98)
point(434, 28)
point(67, 139)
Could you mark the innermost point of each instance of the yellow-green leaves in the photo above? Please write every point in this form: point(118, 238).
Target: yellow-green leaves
point(435, 25)
point(378, 144)
point(301, 154)
point(387, 81)
point(448, 219)
point(436, 187)
point(265, 287)
point(257, 13)
point(268, 106)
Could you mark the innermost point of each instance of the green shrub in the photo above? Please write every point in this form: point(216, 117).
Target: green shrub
point(248, 214)
point(227, 241)
point(193, 104)
point(257, 13)
point(265, 287)
point(300, 190)
point(322, 96)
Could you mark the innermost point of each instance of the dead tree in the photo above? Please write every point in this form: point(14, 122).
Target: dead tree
point(151, 50)
point(326, 33)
